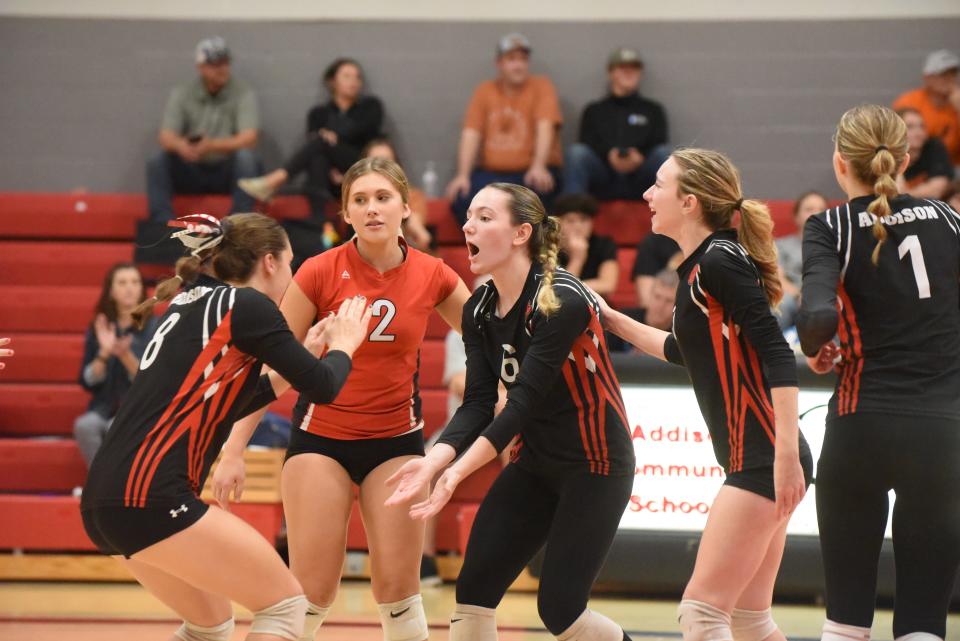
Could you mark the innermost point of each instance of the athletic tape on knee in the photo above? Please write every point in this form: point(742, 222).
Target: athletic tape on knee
point(918, 636)
point(752, 625)
point(191, 632)
point(312, 621)
point(404, 620)
point(592, 626)
point(833, 631)
point(283, 619)
point(701, 621)
point(473, 623)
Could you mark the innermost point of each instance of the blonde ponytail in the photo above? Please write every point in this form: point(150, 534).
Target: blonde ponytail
point(186, 271)
point(873, 141)
point(549, 252)
point(755, 233)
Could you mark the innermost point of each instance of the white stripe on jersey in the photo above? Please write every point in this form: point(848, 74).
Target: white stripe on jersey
point(846, 260)
point(305, 423)
point(948, 215)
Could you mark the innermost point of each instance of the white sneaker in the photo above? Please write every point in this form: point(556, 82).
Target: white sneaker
point(256, 187)
point(77, 491)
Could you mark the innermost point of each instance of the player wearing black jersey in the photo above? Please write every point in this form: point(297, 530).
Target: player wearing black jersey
point(881, 272)
point(200, 373)
point(537, 329)
point(744, 377)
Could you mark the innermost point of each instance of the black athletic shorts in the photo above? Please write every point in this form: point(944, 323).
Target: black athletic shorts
point(118, 530)
point(358, 457)
point(759, 480)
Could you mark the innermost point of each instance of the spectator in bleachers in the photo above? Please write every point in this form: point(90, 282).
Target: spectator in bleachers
point(654, 254)
point(112, 350)
point(208, 133)
point(790, 258)
point(930, 170)
point(512, 124)
point(414, 227)
point(659, 311)
point(622, 137)
point(337, 131)
point(590, 257)
point(938, 100)
point(5, 353)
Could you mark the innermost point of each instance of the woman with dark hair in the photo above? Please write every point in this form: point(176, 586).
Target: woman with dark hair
point(336, 133)
point(111, 355)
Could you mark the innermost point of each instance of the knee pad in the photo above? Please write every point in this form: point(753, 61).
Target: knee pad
point(701, 621)
point(918, 636)
point(283, 619)
point(312, 621)
point(473, 623)
point(592, 626)
point(833, 631)
point(752, 625)
point(191, 632)
point(404, 620)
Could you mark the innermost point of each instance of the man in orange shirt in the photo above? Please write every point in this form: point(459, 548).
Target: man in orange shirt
point(511, 123)
point(938, 100)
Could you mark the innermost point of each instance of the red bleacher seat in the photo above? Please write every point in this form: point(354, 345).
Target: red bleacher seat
point(626, 221)
point(44, 358)
point(448, 230)
point(60, 263)
point(434, 408)
point(432, 354)
point(40, 465)
point(53, 215)
point(436, 327)
point(781, 211)
point(34, 409)
point(458, 259)
point(46, 309)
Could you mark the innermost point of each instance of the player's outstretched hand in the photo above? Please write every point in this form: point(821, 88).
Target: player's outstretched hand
point(442, 492)
point(788, 484)
point(828, 356)
point(348, 328)
point(316, 339)
point(409, 482)
point(228, 477)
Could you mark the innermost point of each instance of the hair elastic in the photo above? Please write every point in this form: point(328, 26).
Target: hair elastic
point(881, 148)
point(738, 204)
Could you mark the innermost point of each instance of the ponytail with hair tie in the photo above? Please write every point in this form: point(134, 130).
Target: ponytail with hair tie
point(549, 231)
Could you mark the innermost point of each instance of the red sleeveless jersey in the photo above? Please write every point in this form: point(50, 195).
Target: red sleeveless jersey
point(381, 396)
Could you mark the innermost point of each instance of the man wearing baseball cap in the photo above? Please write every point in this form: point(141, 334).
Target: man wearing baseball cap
point(511, 124)
point(938, 100)
point(622, 139)
point(207, 135)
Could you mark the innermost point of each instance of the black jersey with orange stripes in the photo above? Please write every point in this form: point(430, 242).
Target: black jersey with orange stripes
point(563, 397)
point(898, 322)
point(198, 375)
point(727, 337)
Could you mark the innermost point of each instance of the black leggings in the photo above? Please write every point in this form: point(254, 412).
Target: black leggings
point(576, 515)
point(863, 457)
point(316, 156)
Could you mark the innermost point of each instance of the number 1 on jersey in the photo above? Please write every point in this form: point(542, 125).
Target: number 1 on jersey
point(386, 309)
point(911, 245)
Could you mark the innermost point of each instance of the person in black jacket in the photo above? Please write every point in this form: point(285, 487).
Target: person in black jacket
point(622, 137)
point(337, 132)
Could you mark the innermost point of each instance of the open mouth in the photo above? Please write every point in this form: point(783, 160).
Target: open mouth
point(473, 249)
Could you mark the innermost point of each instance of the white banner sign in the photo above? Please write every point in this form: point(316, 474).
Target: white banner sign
point(677, 474)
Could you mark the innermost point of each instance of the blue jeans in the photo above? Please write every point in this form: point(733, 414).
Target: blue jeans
point(586, 173)
point(169, 174)
point(481, 178)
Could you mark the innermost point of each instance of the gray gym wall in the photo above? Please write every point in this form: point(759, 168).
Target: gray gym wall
point(80, 99)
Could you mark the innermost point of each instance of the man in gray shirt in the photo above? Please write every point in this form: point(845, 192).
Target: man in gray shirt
point(208, 133)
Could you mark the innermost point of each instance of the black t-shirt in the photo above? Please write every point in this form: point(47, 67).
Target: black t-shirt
point(563, 397)
point(653, 254)
point(623, 121)
point(599, 250)
point(898, 321)
point(730, 342)
point(200, 374)
point(934, 161)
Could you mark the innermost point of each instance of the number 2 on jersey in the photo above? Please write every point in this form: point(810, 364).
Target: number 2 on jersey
point(911, 245)
point(385, 310)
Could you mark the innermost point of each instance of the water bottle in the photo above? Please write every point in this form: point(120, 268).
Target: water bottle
point(430, 180)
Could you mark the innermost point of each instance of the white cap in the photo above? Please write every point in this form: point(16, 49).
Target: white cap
point(940, 61)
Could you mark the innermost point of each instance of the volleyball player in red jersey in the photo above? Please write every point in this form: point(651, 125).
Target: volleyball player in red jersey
point(200, 373)
point(375, 425)
point(745, 380)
